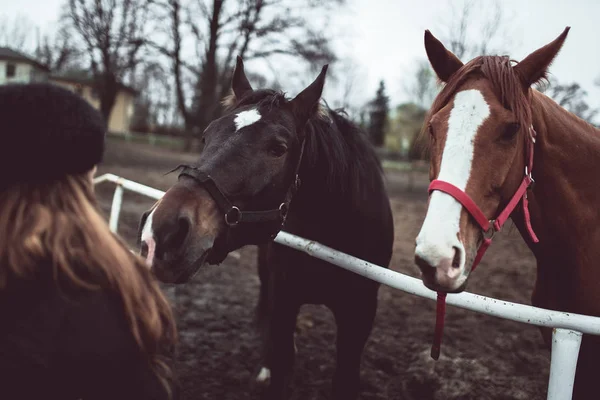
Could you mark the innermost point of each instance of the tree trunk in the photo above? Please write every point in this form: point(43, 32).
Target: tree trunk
point(207, 104)
point(107, 89)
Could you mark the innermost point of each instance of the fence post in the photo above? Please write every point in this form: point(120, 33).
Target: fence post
point(563, 363)
point(115, 209)
point(565, 342)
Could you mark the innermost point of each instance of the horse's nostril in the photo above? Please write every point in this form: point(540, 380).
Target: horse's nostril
point(144, 250)
point(456, 259)
point(183, 229)
point(175, 239)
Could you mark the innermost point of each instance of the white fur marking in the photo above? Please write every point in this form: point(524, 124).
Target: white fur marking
point(148, 238)
point(264, 376)
point(439, 233)
point(246, 118)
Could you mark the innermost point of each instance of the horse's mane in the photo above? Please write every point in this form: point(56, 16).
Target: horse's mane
point(505, 81)
point(335, 147)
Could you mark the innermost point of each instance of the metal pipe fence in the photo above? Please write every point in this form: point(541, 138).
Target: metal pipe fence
point(567, 327)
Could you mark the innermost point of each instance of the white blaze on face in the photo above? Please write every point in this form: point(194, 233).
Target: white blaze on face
point(148, 238)
point(439, 233)
point(246, 118)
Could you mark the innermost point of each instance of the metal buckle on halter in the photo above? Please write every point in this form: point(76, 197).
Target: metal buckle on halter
point(283, 210)
point(532, 134)
point(237, 216)
point(530, 176)
point(489, 234)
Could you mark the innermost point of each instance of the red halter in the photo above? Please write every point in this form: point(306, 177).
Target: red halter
point(488, 227)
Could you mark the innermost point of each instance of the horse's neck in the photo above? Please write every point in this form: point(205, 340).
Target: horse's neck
point(566, 193)
point(316, 195)
point(565, 212)
point(319, 198)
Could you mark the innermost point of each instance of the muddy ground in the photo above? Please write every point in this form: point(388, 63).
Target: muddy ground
point(482, 357)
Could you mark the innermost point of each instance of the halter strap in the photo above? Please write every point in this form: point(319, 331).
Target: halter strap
point(488, 227)
point(464, 199)
point(232, 214)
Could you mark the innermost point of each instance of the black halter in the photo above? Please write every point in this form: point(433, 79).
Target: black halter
point(232, 214)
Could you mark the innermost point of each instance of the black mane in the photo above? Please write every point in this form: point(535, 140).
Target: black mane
point(336, 149)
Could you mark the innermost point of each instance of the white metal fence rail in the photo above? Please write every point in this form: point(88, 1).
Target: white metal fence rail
point(567, 327)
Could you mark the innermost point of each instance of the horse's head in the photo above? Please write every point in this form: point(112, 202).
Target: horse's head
point(481, 135)
point(239, 191)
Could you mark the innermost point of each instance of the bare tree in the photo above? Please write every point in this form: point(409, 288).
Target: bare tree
point(473, 29)
point(424, 87)
point(153, 105)
point(571, 97)
point(17, 33)
point(223, 29)
point(57, 52)
point(346, 90)
point(476, 28)
point(112, 33)
point(53, 50)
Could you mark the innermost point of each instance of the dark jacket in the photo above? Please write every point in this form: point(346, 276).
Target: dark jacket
point(75, 345)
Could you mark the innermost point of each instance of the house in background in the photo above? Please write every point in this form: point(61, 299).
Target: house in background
point(19, 68)
point(16, 67)
point(83, 84)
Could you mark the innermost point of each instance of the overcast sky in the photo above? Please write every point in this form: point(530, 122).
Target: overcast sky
point(385, 37)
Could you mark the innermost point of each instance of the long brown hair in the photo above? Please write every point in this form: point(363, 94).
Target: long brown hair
point(58, 224)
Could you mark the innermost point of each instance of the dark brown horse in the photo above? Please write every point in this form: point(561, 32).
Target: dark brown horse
point(492, 136)
point(271, 162)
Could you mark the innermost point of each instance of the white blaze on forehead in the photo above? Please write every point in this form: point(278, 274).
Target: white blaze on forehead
point(439, 233)
point(246, 118)
point(148, 238)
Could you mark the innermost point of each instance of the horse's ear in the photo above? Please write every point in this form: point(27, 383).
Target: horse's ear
point(535, 66)
point(307, 102)
point(239, 82)
point(443, 61)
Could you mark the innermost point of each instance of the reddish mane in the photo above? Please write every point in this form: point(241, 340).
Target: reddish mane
point(506, 83)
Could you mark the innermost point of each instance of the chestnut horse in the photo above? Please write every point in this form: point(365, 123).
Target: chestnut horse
point(492, 137)
point(265, 156)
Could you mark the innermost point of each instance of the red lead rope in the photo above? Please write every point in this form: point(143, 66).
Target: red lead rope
point(489, 228)
point(439, 325)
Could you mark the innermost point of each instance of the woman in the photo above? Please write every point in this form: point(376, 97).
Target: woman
point(80, 315)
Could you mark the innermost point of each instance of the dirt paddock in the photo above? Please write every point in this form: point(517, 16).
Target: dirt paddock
point(482, 357)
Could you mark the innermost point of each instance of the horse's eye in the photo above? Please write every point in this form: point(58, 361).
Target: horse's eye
point(510, 131)
point(277, 149)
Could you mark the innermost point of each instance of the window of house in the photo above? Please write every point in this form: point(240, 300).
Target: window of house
point(11, 70)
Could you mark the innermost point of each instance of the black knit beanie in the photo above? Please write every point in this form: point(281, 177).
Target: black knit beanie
point(46, 132)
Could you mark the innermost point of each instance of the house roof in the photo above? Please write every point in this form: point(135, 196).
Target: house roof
point(12, 55)
point(85, 79)
point(81, 77)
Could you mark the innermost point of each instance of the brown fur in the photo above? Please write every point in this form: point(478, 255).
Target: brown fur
point(564, 201)
point(507, 85)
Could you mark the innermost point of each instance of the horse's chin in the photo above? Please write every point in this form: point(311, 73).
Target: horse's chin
point(220, 250)
point(432, 285)
point(216, 256)
point(182, 273)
